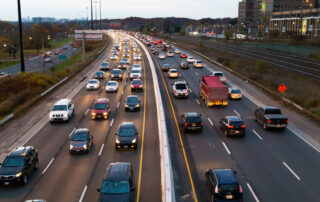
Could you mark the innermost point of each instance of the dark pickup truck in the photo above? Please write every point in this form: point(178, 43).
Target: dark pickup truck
point(270, 117)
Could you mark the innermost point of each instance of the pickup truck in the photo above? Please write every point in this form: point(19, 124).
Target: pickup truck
point(270, 117)
point(180, 89)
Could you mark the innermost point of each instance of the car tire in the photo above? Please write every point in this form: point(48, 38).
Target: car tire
point(117, 149)
point(36, 166)
point(226, 133)
point(25, 179)
point(265, 126)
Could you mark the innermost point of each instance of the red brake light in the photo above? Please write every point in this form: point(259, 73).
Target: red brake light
point(201, 123)
point(216, 190)
point(230, 127)
point(287, 121)
point(186, 124)
point(243, 126)
point(175, 91)
point(240, 189)
point(269, 121)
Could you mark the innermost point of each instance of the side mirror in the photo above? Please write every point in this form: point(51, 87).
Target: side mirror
point(98, 189)
point(132, 189)
point(115, 134)
point(0, 164)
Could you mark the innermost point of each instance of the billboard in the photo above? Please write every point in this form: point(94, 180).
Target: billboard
point(88, 34)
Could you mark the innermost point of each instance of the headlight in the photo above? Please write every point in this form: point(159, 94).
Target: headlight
point(71, 147)
point(112, 75)
point(85, 146)
point(134, 140)
point(126, 105)
point(93, 114)
point(105, 113)
point(117, 141)
point(138, 105)
point(19, 174)
point(65, 114)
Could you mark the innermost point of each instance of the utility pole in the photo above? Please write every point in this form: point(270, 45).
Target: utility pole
point(96, 17)
point(100, 15)
point(83, 46)
point(91, 16)
point(20, 38)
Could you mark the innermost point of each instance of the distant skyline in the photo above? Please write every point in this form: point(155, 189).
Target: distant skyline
point(120, 8)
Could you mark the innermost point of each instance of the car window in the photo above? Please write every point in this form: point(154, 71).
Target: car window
point(112, 84)
point(59, 108)
point(181, 86)
point(229, 187)
point(272, 111)
point(79, 136)
point(13, 162)
point(115, 187)
point(136, 82)
point(235, 91)
point(99, 106)
point(236, 123)
point(93, 81)
point(135, 71)
point(132, 99)
point(193, 119)
point(218, 74)
point(126, 132)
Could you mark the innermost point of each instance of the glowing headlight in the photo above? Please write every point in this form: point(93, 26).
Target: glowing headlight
point(105, 114)
point(85, 146)
point(71, 147)
point(93, 114)
point(65, 114)
point(126, 105)
point(19, 174)
point(134, 140)
point(117, 141)
point(138, 105)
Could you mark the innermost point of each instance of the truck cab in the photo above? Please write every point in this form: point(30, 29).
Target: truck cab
point(62, 110)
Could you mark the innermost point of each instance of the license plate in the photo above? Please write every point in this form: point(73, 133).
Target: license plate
point(194, 124)
point(229, 196)
point(237, 132)
point(278, 125)
point(6, 183)
point(126, 146)
point(99, 116)
point(77, 150)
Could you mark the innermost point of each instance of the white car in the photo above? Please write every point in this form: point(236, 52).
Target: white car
point(114, 57)
point(170, 54)
point(137, 58)
point(162, 56)
point(93, 84)
point(135, 49)
point(112, 86)
point(135, 74)
point(137, 66)
point(180, 89)
point(198, 63)
point(177, 51)
point(190, 59)
point(62, 110)
point(47, 59)
point(173, 73)
point(221, 76)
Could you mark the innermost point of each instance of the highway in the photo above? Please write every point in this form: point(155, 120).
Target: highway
point(271, 165)
point(65, 177)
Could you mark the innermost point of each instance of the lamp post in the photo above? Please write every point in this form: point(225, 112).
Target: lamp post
point(100, 15)
point(91, 16)
point(20, 38)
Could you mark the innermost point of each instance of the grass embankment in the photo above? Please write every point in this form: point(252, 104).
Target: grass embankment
point(302, 90)
point(56, 43)
point(21, 92)
point(4, 64)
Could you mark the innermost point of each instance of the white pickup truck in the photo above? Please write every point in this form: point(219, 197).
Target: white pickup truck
point(62, 110)
point(180, 89)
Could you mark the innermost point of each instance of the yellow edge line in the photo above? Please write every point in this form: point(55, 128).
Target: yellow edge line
point(143, 128)
point(181, 142)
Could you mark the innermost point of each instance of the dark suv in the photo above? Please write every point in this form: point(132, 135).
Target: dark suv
point(191, 121)
point(19, 165)
point(118, 183)
point(233, 125)
point(127, 136)
point(223, 186)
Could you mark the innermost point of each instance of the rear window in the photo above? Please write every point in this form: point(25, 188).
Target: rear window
point(236, 123)
point(181, 86)
point(229, 187)
point(166, 65)
point(273, 111)
point(218, 74)
point(194, 119)
point(235, 91)
point(122, 63)
point(100, 106)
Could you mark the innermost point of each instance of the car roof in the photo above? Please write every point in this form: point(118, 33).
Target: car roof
point(63, 102)
point(173, 70)
point(233, 118)
point(126, 125)
point(21, 151)
point(102, 100)
point(193, 114)
point(270, 107)
point(225, 176)
point(180, 82)
point(79, 130)
point(118, 171)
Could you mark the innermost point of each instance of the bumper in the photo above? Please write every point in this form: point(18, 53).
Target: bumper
point(277, 125)
point(136, 89)
point(126, 146)
point(99, 116)
point(78, 150)
point(235, 132)
point(184, 95)
point(199, 66)
point(58, 119)
point(111, 90)
point(198, 128)
point(10, 180)
point(132, 109)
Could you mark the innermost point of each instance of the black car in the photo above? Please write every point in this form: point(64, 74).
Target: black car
point(105, 66)
point(19, 165)
point(132, 103)
point(164, 48)
point(122, 65)
point(127, 136)
point(81, 141)
point(184, 65)
point(222, 185)
point(155, 52)
point(270, 117)
point(116, 74)
point(118, 183)
point(233, 125)
point(99, 75)
point(191, 121)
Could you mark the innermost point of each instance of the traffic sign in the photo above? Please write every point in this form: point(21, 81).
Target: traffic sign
point(62, 57)
point(282, 88)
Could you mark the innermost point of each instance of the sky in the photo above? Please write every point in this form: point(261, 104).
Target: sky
point(71, 9)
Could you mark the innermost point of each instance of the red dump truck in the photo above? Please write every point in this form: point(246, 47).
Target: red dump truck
point(213, 92)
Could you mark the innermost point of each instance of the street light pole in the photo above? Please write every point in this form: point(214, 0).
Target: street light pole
point(91, 16)
point(20, 38)
point(100, 15)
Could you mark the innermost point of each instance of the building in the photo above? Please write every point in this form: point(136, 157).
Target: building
point(38, 20)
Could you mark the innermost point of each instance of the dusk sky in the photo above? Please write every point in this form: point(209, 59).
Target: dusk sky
point(195, 9)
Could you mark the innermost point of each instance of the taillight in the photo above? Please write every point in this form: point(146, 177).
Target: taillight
point(230, 126)
point(287, 121)
point(201, 123)
point(186, 124)
point(132, 86)
point(216, 190)
point(175, 91)
point(188, 90)
point(240, 189)
point(269, 121)
point(243, 126)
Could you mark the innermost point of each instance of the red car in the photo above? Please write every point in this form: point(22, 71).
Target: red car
point(183, 55)
point(166, 67)
point(136, 84)
point(122, 65)
point(148, 44)
point(101, 109)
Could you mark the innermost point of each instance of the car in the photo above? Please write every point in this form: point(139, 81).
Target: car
point(270, 117)
point(127, 50)
point(139, 53)
point(132, 103)
point(184, 65)
point(135, 49)
point(155, 52)
point(93, 84)
point(183, 55)
point(168, 45)
point(65, 47)
point(136, 84)
point(101, 109)
point(221, 76)
point(46, 54)
point(105, 66)
point(47, 59)
point(232, 125)
point(116, 74)
point(191, 121)
point(170, 53)
point(62, 110)
point(114, 50)
point(137, 66)
point(162, 56)
point(148, 44)
point(159, 46)
point(234, 93)
point(126, 55)
point(112, 86)
point(135, 74)
point(118, 183)
point(164, 48)
point(99, 75)
point(81, 141)
point(137, 57)
point(222, 185)
point(180, 89)
point(126, 60)
point(19, 165)
point(173, 73)
point(127, 136)
point(55, 52)
point(4, 75)
point(198, 63)
point(190, 59)
point(114, 57)
point(116, 53)
point(166, 67)
point(177, 51)
point(122, 65)
point(153, 48)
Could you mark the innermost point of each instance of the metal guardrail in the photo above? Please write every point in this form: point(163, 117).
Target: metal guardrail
point(6, 119)
point(53, 87)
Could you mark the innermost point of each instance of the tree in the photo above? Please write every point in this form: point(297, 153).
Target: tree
point(182, 31)
point(227, 34)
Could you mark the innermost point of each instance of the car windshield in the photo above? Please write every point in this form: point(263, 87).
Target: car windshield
point(181, 86)
point(116, 72)
point(125, 59)
point(136, 66)
point(273, 111)
point(13, 162)
point(126, 132)
point(99, 73)
point(111, 84)
point(122, 63)
point(93, 81)
point(105, 64)
point(194, 119)
point(136, 82)
point(81, 136)
point(229, 187)
point(135, 71)
point(132, 99)
point(235, 91)
point(112, 187)
point(199, 62)
point(60, 108)
point(173, 71)
point(100, 106)
point(166, 65)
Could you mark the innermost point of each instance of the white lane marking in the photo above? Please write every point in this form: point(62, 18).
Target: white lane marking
point(235, 111)
point(97, 97)
point(118, 104)
point(86, 112)
point(197, 101)
point(299, 136)
point(225, 146)
point(293, 173)
point(190, 90)
point(72, 132)
point(83, 193)
point(210, 121)
point(252, 192)
point(45, 170)
point(111, 122)
point(122, 92)
point(257, 134)
point(101, 150)
point(197, 74)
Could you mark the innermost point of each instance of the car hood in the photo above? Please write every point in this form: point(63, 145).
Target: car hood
point(58, 112)
point(10, 170)
point(114, 197)
point(132, 104)
point(78, 143)
point(111, 87)
point(135, 74)
point(127, 139)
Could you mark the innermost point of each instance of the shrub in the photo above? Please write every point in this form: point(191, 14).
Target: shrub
point(253, 76)
point(318, 56)
point(201, 44)
point(6, 107)
point(310, 102)
point(261, 66)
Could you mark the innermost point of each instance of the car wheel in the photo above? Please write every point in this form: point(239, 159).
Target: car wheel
point(226, 133)
point(255, 117)
point(117, 149)
point(25, 179)
point(265, 126)
point(36, 166)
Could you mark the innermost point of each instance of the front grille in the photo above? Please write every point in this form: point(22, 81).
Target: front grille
point(7, 177)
